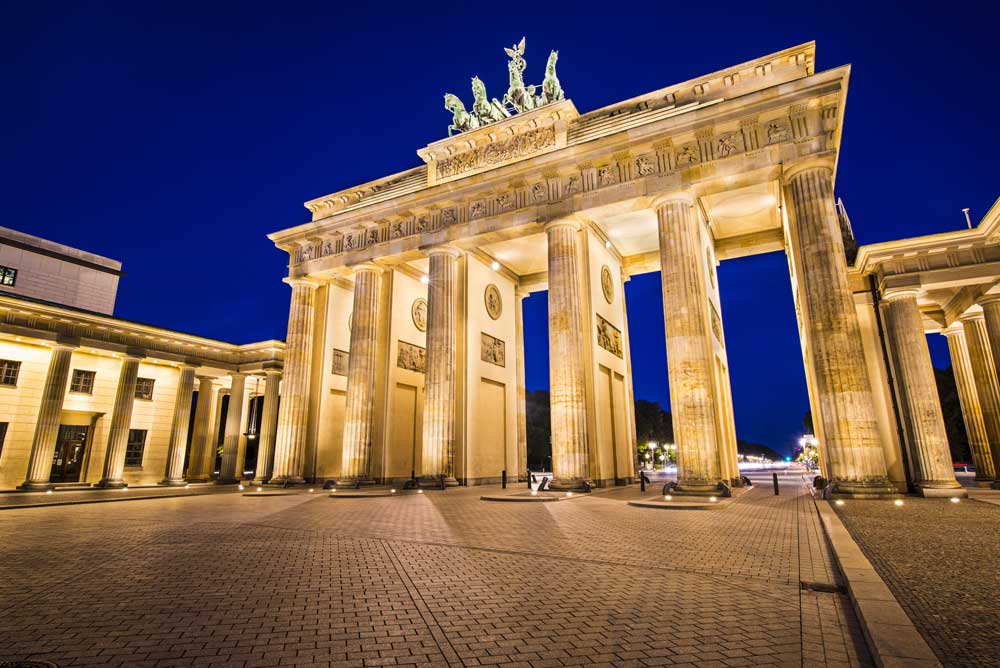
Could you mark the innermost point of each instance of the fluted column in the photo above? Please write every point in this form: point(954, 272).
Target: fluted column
point(972, 411)
point(359, 408)
point(987, 386)
point(928, 440)
point(570, 458)
point(121, 421)
point(521, 408)
point(689, 348)
point(442, 357)
point(843, 389)
point(43, 444)
point(293, 411)
point(234, 425)
point(202, 443)
point(268, 426)
point(174, 474)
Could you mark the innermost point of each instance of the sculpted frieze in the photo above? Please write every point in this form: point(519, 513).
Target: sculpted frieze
point(411, 357)
point(609, 337)
point(497, 153)
point(624, 174)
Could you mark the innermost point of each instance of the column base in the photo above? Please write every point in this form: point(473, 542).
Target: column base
point(849, 489)
point(228, 481)
point(173, 483)
point(281, 482)
point(995, 484)
point(697, 488)
point(28, 486)
point(200, 478)
point(434, 482)
point(942, 492)
point(360, 481)
point(569, 484)
point(111, 484)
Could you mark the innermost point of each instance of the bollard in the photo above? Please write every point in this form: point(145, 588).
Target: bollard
point(531, 476)
point(642, 481)
point(413, 475)
point(503, 479)
point(774, 478)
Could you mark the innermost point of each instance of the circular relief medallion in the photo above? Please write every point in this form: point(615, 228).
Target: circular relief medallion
point(607, 284)
point(494, 304)
point(350, 317)
point(419, 313)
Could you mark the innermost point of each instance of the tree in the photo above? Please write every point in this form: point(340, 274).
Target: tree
point(951, 409)
point(539, 428)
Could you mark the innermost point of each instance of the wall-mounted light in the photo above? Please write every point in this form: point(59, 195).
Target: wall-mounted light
point(424, 279)
point(495, 266)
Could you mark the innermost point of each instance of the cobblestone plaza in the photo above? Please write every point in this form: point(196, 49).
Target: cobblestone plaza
point(436, 579)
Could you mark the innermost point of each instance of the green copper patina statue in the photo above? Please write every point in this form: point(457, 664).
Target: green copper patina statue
point(518, 98)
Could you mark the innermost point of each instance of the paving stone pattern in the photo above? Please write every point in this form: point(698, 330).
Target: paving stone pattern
point(942, 562)
point(439, 579)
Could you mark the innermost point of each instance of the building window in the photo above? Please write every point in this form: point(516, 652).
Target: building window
point(144, 388)
point(8, 372)
point(135, 447)
point(83, 381)
point(8, 276)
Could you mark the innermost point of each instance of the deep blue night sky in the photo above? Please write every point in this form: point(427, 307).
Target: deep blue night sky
point(174, 136)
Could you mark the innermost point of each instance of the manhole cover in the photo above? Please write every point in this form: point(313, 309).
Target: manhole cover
point(27, 664)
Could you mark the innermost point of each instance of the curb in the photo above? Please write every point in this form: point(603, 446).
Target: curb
point(892, 638)
point(51, 504)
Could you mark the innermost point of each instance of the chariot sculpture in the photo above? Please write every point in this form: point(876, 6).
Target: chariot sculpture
point(518, 98)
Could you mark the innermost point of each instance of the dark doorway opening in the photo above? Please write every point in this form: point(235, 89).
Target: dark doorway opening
point(67, 460)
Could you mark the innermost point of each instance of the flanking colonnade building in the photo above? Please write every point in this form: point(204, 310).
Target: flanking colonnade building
point(405, 348)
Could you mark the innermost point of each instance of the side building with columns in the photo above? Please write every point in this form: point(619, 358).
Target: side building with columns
point(90, 399)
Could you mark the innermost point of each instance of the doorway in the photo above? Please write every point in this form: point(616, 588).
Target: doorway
point(67, 460)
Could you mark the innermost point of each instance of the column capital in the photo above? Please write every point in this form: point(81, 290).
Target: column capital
point(134, 353)
point(444, 250)
point(66, 342)
point(202, 378)
point(366, 267)
point(823, 163)
point(272, 372)
point(954, 329)
point(680, 196)
point(569, 221)
point(973, 314)
point(301, 281)
point(900, 292)
point(988, 298)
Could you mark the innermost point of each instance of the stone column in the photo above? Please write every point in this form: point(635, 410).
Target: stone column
point(121, 421)
point(843, 389)
point(521, 408)
point(987, 387)
point(689, 346)
point(570, 452)
point(359, 408)
point(43, 444)
point(234, 424)
point(928, 441)
point(442, 357)
point(202, 442)
point(293, 411)
point(179, 428)
point(268, 426)
point(972, 411)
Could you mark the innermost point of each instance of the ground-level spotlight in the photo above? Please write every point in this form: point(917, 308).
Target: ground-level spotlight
point(897, 502)
point(187, 486)
point(333, 490)
point(392, 491)
point(310, 490)
point(668, 497)
point(420, 491)
point(569, 493)
point(534, 492)
point(48, 491)
point(712, 499)
point(241, 488)
point(260, 489)
point(954, 499)
point(839, 502)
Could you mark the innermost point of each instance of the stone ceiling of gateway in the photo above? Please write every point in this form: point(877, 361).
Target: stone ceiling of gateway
point(725, 137)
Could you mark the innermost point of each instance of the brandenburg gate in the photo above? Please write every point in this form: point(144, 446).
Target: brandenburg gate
point(405, 347)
